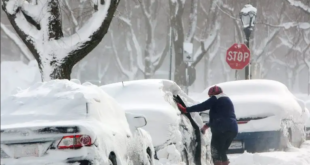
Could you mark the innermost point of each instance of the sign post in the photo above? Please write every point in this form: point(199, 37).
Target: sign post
point(238, 56)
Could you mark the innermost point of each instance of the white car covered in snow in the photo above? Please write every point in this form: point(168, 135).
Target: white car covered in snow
point(269, 115)
point(176, 137)
point(63, 122)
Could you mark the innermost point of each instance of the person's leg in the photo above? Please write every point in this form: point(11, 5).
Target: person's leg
point(214, 147)
point(218, 147)
point(229, 138)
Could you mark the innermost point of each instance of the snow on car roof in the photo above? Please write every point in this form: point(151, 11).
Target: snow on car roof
point(60, 101)
point(259, 98)
point(155, 92)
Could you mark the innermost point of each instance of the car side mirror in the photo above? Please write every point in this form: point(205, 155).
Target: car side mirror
point(136, 121)
point(139, 121)
point(205, 117)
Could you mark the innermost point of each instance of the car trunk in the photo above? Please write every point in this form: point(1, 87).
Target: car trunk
point(33, 141)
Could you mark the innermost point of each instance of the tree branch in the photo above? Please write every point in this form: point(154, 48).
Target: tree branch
point(265, 44)
point(119, 63)
point(135, 43)
point(22, 28)
point(92, 32)
point(300, 5)
point(20, 44)
point(74, 20)
point(54, 20)
point(161, 57)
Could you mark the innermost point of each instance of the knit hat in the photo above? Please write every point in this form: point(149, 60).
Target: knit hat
point(215, 90)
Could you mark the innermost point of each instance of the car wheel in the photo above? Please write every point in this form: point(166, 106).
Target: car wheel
point(112, 159)
point(185, 157)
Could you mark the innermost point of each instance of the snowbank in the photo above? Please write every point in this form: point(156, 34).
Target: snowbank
point(296, 157)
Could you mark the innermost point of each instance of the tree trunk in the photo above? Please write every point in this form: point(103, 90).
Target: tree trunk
point(176, 12)
point(55, 60)
point(149, 51)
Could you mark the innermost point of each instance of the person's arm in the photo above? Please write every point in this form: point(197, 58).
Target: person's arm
point(202, 106)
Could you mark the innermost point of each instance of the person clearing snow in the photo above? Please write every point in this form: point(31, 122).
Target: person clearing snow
point(223, 122)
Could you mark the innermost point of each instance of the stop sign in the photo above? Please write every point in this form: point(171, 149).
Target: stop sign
point(238, 56)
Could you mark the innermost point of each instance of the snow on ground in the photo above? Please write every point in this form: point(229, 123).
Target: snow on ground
point(297, 156)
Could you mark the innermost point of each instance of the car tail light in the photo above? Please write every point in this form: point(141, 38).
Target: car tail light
point(243, 122)
point(74, 141)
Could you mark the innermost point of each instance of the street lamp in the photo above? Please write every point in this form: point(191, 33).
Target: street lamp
point(247, 16)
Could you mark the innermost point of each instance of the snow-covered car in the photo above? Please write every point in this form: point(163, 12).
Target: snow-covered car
point(269, 115)
point(176, 137)
point(64, 122)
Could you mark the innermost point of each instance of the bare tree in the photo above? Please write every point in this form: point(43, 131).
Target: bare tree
point(149, 61)
point(39, 25)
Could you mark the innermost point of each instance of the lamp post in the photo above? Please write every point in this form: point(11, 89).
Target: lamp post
point(247, 16)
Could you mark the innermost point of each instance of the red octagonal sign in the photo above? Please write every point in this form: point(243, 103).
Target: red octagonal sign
point(238, 56)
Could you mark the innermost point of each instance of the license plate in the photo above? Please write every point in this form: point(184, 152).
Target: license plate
point(27, 150)
point(236, 145)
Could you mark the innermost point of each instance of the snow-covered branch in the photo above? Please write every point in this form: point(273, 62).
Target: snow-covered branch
point(135, 42)
point(130, 74)
point(159, 59)
point(193, 21)
point(118, 60)
point(212, 30)
point(90, 35)
point(39, 25)
point(205, 46)
point(264, 44)
point(21, 45)
point(300, 5)
point(74, 20)
point(25, 30)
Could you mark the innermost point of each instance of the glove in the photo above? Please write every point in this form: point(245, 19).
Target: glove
point(181, 108)
point(204, 128)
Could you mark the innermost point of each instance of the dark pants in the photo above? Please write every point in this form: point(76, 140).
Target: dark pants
point(220, 143)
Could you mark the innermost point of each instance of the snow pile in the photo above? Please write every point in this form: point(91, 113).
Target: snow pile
point(297, 157)
point(16, 75)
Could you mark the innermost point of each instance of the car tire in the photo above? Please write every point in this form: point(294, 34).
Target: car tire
point(112, 159)
point(185, 156)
